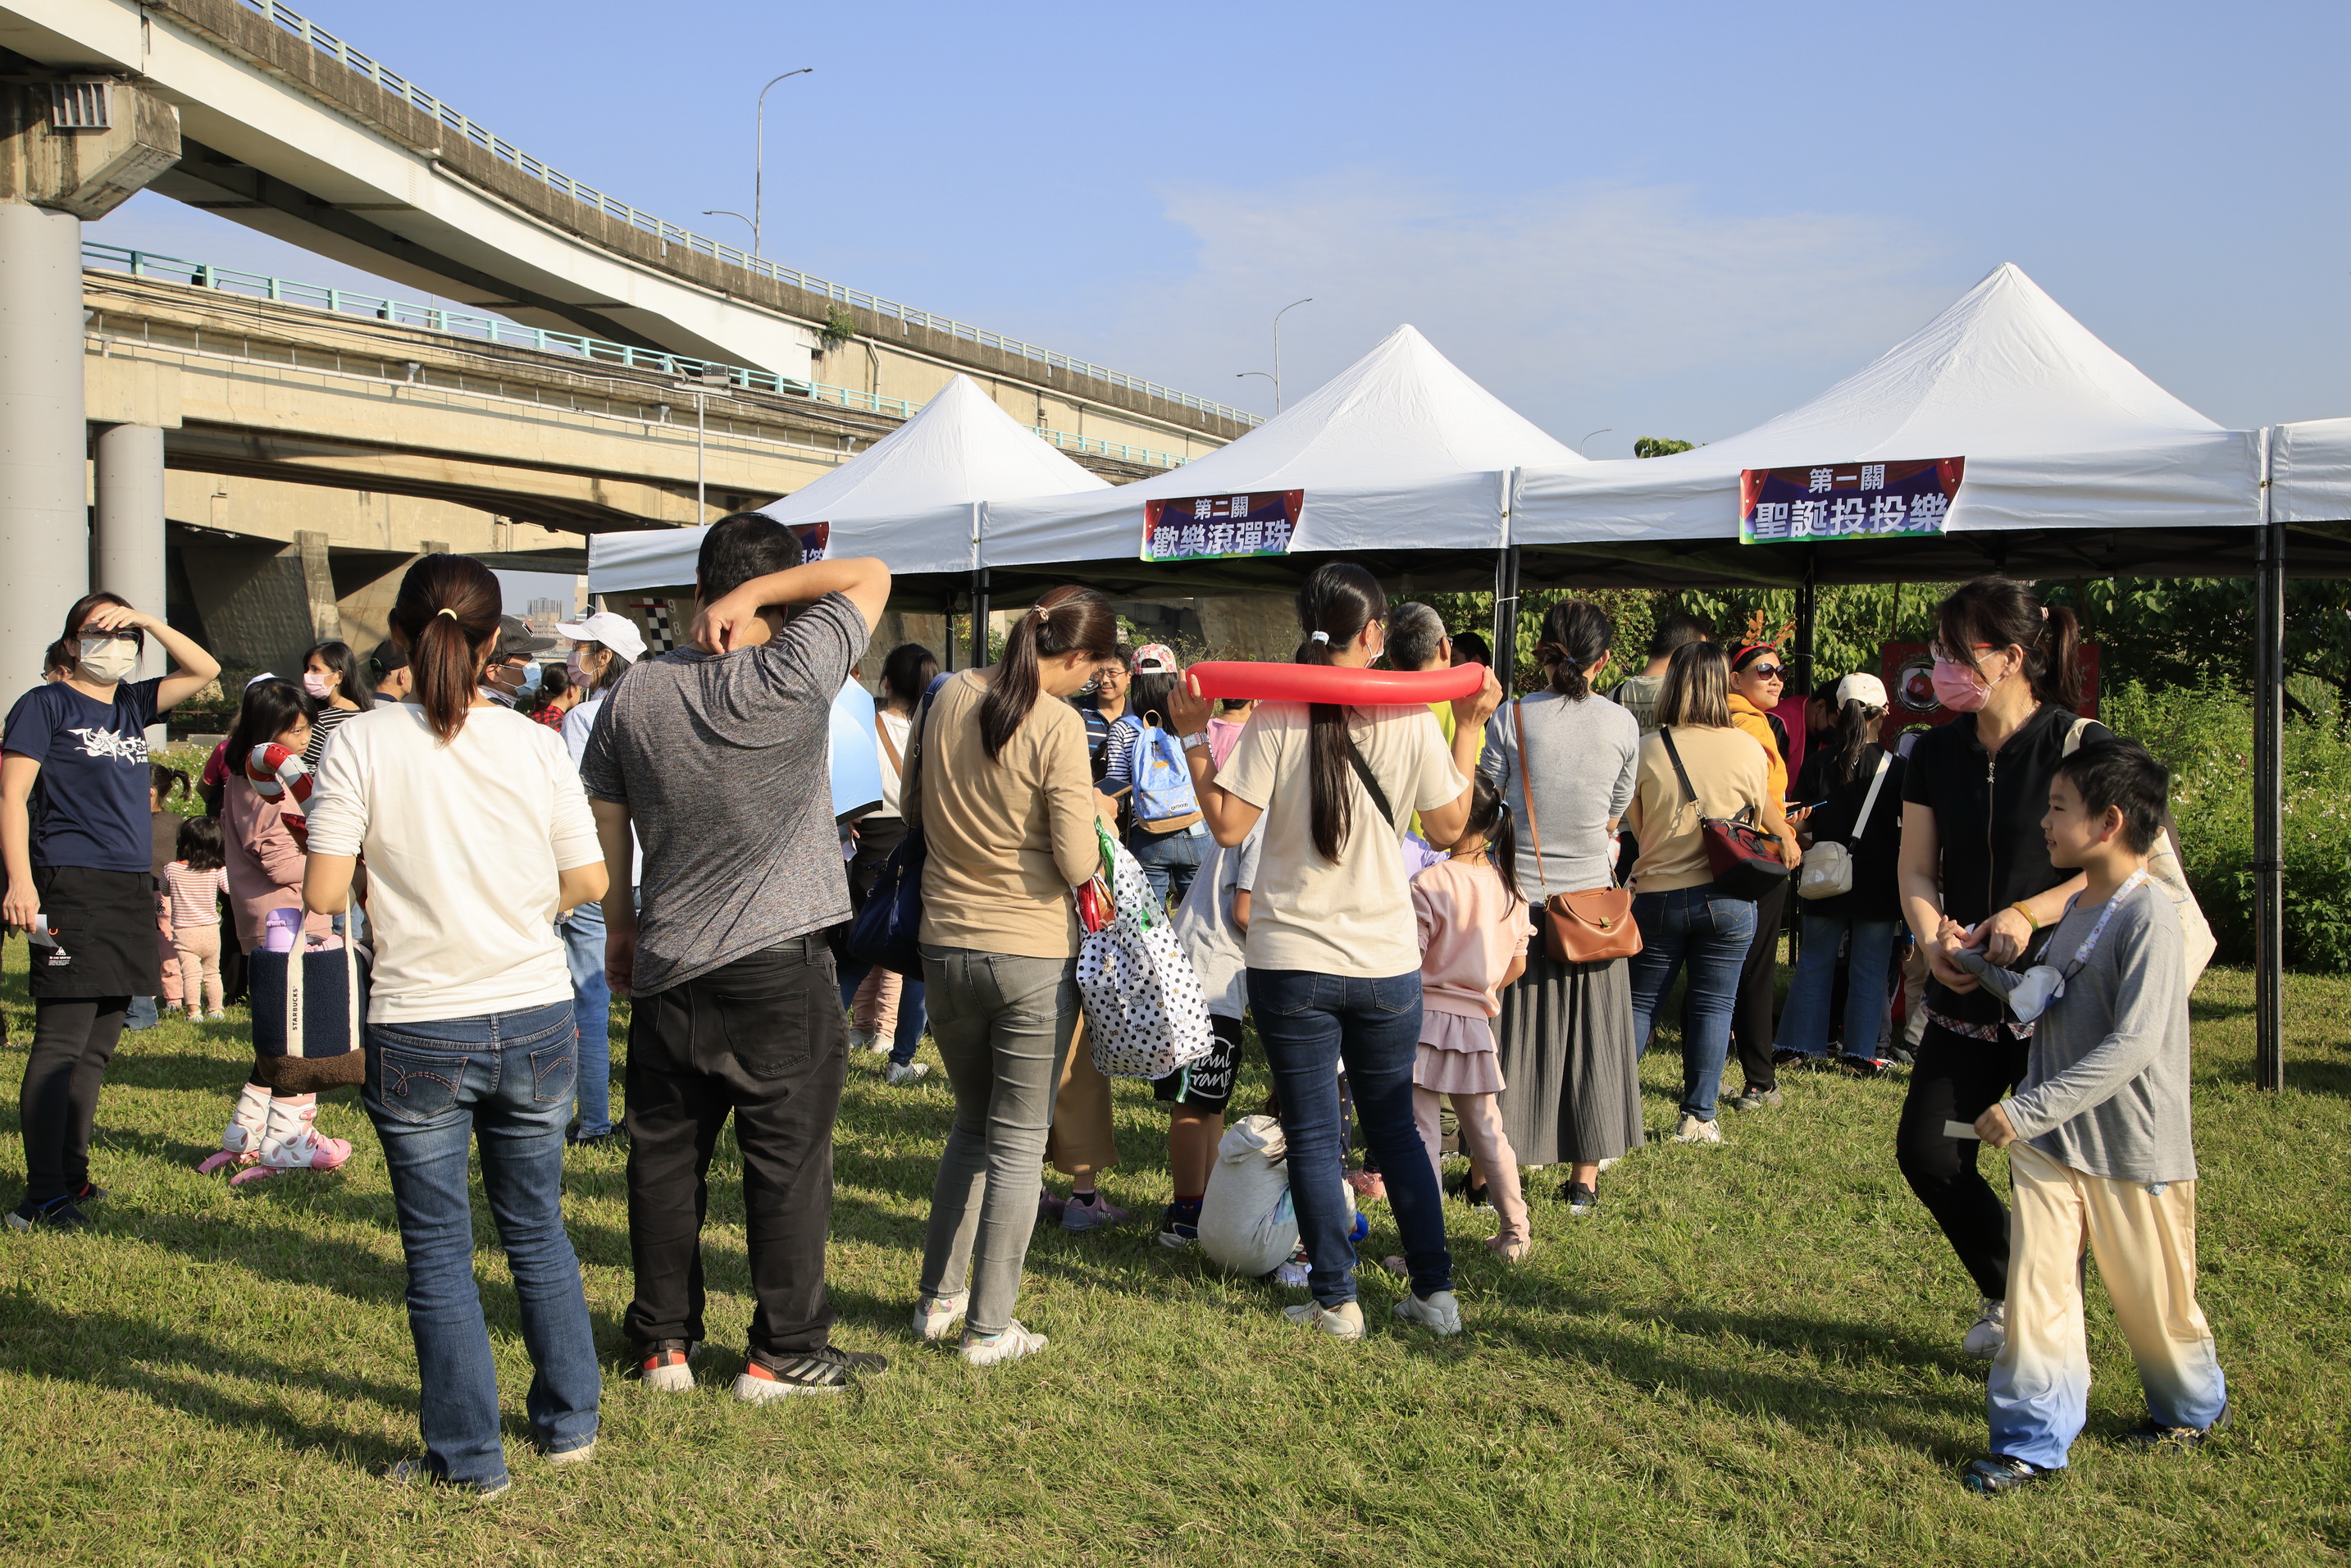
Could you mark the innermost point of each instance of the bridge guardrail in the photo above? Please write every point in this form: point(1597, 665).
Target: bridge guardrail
point(451, 120)
point(497, 330)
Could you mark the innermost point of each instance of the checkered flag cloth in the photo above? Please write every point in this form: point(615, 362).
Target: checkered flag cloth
point(658, 636)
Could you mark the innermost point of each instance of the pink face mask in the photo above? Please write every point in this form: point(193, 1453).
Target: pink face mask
point(1959, 688)
point(320, 686)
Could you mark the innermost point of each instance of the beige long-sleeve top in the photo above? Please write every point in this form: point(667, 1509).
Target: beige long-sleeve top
point(1008, 836)
point(1727, 769)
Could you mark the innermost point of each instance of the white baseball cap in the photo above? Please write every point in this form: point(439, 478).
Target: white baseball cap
point(617, 632)
point(1866, 689)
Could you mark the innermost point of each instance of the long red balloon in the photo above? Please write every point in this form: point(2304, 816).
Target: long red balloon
point(1326, 683)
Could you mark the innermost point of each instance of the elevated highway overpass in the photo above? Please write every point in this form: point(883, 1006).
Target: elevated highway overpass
point(343, 434)
point(390, 435)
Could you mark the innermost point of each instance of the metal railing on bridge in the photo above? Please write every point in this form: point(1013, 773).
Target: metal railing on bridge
point(669, 234)
point(497, 330)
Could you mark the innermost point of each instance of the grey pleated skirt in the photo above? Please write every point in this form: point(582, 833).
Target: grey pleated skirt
point(1567, 1055)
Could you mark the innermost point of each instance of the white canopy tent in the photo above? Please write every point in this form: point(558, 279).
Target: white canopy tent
point(907, 498)
point(2058, 431)
point(2310, 471)
point(1399, 451)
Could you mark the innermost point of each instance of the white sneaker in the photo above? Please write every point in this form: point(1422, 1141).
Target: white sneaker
point(906, 1073)
point(1439, 1313)
point(668, 1367)
point(936, 1315)
point(862, 1040)
point(1013, 1343)
point(1693, 1131)
point(1344, 1321)
point(1988, 1332)
point(579, 1455)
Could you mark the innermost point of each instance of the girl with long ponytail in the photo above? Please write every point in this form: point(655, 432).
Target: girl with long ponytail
point(1332, 951)
point(479, 839)
point(998, 783)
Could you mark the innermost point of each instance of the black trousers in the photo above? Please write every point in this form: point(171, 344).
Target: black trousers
point(761, 1038)
point(73, 1039)
point(1956, 1080)
point(1752, 1026)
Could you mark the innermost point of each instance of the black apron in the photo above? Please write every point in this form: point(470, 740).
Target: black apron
point(105, 937)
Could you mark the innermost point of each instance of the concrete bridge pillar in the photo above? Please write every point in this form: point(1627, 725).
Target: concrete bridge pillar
point(44, 480)
point(126, 535)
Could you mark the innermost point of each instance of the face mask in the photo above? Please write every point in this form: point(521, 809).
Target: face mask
point(2031, 995)
point(1959, 688)
point(531, 679)
point(579, 676)
point(320, 687)
point(106, 660)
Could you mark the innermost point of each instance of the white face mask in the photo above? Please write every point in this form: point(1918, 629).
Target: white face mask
point(103, 661)
point(2031, 995)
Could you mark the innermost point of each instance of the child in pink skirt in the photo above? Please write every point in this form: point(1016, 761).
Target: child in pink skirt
point(1473, 941)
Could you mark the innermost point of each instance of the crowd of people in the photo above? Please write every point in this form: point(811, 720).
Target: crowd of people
point(1396, 899)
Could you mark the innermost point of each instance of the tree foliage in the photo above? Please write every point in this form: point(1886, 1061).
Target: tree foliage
point(1659, 446)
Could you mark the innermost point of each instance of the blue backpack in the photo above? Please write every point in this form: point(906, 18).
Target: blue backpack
point(1163, 779)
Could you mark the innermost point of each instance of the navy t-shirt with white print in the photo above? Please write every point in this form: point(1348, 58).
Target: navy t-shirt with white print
point(89, 803)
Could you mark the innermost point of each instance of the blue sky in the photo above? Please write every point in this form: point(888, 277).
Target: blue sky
point(1659, 220)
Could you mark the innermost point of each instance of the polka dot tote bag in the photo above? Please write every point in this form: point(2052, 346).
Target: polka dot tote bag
point(1145, 1014)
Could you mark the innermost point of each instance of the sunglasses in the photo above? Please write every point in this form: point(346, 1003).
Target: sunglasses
point(1765, 672)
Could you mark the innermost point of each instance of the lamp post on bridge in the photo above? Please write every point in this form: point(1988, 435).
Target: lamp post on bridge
point(710, 384)
point(759, 162)
point(738, 217)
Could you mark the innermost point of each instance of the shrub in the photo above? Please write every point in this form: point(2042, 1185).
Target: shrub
point(2205, 737)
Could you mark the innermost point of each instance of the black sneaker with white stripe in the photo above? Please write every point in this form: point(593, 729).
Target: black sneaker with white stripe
point(827, 1370)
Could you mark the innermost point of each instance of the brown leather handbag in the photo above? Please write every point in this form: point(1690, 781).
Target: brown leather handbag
point(1588, 927)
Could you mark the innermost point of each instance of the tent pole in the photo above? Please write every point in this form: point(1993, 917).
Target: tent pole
point(979, 619)
point(1506, 614)
point(1807, 609)
point(2268, 805)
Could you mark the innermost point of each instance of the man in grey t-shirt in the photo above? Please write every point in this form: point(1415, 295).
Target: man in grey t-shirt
point(717, 756)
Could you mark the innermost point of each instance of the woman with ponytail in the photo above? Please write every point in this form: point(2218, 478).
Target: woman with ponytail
point(1850, 771)
point(999, 783)
point(477, 839)
point(1332, 949)
point(1973, 860)
point(1565, 761)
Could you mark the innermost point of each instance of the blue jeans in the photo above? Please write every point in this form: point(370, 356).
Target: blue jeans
point(1712, 933)
point(1309, 1023)
point(591, 1008)
point(1169, 860)
point(431, 1090)
point(1804, 1021)
point(913, 1016)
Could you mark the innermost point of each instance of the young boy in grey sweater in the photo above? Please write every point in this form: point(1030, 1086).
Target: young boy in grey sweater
point(2098, 1139)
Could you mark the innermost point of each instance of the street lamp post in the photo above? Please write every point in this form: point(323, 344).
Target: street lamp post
point(738, 217)
point(759, 162)
point(1276, 345)
point(1603, 430)
point(710, 384)
point(1244, 375)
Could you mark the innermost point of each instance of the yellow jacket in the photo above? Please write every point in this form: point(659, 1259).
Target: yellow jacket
point(1747, 717)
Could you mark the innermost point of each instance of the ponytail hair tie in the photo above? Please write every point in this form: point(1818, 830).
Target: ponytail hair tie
point(1323, 637)
point(450, 614)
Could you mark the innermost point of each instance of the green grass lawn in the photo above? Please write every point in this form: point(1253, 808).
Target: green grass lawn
point(1749, 1356)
